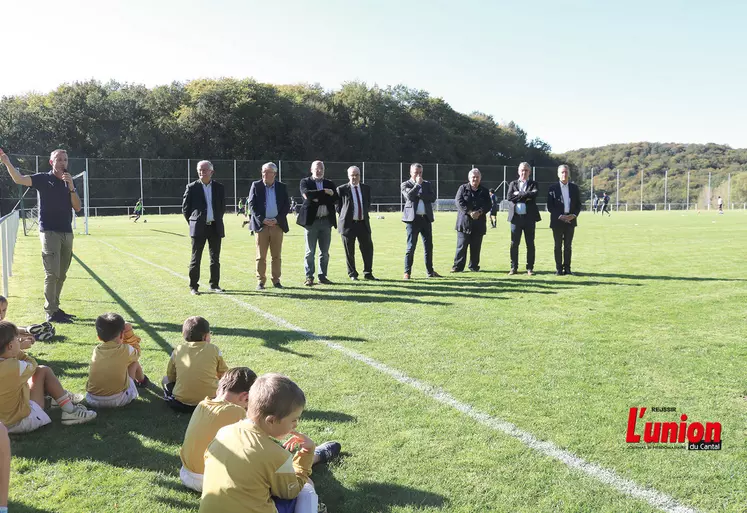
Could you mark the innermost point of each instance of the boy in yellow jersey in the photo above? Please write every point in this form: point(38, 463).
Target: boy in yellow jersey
point(115, 372)
point(248, 471)
point(24, 386)
point(229, 406)
point(194, 367)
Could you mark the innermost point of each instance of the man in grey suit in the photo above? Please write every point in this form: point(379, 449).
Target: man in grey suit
point(418, 217)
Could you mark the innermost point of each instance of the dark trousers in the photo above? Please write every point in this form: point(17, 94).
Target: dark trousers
point(474, 241)
point(519, 226)
point(420, 226)
point(357, 230)
point(198, 244)
point(563, 235)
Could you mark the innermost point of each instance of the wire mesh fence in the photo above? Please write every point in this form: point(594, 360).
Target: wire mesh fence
point(115, 185)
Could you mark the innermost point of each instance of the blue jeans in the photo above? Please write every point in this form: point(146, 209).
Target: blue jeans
point(321, 232)
point(420, 226)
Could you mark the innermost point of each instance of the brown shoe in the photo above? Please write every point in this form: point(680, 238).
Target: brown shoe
point(512, 272)
point(309, 282)
point(406, 276)
point(530, 272)
point(434, 274)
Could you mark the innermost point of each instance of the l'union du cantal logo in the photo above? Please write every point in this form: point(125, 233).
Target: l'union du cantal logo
point(697, 436)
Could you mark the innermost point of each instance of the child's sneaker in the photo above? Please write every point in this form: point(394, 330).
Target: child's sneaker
point(328, 451)
point(43, 331)
point(80, 415)
point(74, 398)
point(142, 383)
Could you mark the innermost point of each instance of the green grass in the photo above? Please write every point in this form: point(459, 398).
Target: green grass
point(657, 318)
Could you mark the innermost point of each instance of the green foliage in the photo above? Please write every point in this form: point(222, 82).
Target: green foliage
point(245, 119)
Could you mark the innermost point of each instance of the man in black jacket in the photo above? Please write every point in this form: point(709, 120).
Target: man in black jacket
point(564, 206)
point(269, 207)
point(473, 204)
point(418, 218)
point(203, 206)
point(523, 215)
point(355, 202)
point(318, 217)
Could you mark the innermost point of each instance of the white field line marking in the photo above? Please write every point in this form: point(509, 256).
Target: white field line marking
point(609, 477)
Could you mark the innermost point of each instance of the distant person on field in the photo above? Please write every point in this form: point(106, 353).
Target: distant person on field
point(25, 385)
point(564, 206)
point(523, 216)
point(240, 208)
point(720, 205)
point(495, 204)
point(594, 204)
point(194, 368)
point(35, 332)
point(269, 204)
point(57, 199)
point(473, 204)
point(605, 204)
point(246, 469)
point(138, 210)
point(418, 218)
point(228, 407)
point(115, 373)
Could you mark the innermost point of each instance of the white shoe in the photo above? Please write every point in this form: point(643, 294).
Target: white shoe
point(75, 398)
point(80, 415)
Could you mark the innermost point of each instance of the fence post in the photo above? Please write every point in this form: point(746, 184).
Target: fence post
point(436, 186)
point(728, 192)
point(280, 170)
point(235, 188)
point(666, 178)
point(37, 162)
point(504, 183)
point(709, 191)
point(188, 170)
point(401, 204)
point(534, 173)
point(86, 196)
point(687, 195)
point(641, 189)
point(6, 262)
point(617, 192)
point(363, 173)
point(141, 183)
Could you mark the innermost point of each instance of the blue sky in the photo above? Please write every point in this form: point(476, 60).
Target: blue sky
point(575, 73)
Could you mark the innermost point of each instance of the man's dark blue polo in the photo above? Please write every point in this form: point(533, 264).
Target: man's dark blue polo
point(55, 204)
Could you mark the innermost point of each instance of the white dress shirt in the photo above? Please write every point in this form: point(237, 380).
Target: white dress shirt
point(357, 195)
point(566, 198)
point(208, 190)
point(521, 207)
point(321, 211)
point(421, 204)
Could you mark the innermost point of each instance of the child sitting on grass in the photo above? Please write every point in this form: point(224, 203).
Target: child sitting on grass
point(24, 386)
point(228, 407)
point(43, 331)
point(194, 367)
point(115, 372)
point(247, 469)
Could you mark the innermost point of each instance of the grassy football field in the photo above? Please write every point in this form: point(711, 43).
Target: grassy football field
point(418, 379)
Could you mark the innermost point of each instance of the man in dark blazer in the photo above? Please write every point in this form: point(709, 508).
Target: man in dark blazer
point(473, 205)
point(564, 206)
point(269, 206)
point(523, 215)
point(318, 216)
point(418, 217)
point(203, 206)
point(353, 207)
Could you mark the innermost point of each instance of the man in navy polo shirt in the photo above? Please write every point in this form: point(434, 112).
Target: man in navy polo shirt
point(57, 198)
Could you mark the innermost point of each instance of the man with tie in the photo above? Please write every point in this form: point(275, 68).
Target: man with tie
point(523, 215)
point(564, 206)
point(473, 204)
point(269, 206)
point(318, 217)
point(203, 206)
point(418, 217)
point(355, 202)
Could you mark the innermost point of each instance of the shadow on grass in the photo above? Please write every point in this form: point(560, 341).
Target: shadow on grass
point(370, 497)
point(659, 277)
point(128, 437)
point(327, 416)
point(16, 507)
point(169, 233)
point(64, 368)
point(131, 314)
point(339, 293)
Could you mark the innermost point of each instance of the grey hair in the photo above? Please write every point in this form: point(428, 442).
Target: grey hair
point(270, 165)
point(474, 171)
point(210, 164)
point(354, 167)
point(416, 165)
point(525, 164)
point(317, 162)
point(561, 166)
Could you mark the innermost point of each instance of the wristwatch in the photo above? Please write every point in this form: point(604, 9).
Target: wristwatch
point(74, 190)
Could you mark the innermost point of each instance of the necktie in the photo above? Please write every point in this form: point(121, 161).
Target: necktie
point(359, 202)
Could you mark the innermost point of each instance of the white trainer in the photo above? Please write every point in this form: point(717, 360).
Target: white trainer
point(80, 415)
